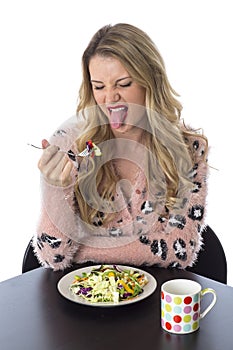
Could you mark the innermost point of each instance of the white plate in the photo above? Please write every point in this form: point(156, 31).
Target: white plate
point(65, 282)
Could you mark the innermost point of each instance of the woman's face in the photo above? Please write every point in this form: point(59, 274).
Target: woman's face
point(117, 94)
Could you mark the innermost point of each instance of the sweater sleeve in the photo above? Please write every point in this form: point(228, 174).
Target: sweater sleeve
point(187, 238)
point(177, 239)
point(197, 203)
point(55, 240)
point(53, 248)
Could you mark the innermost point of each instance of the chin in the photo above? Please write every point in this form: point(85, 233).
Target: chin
point(123, 128)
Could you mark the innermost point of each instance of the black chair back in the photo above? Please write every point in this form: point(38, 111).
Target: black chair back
point(211, 261)
point(30, 261)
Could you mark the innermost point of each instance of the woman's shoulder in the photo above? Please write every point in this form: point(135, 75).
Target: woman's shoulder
point(196, 140)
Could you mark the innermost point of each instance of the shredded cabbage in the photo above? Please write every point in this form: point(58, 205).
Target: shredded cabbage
point(109, 284)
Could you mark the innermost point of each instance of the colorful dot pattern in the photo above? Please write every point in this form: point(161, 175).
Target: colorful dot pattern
point(180, 314)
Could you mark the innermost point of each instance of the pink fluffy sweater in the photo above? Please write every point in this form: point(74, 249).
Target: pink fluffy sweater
point(136, 236)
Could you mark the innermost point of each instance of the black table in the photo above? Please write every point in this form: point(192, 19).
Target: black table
point(34, 316)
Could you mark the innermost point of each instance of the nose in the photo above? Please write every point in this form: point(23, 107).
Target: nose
point(112, 95)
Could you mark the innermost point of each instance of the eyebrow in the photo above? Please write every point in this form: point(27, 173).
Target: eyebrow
point(117, 81)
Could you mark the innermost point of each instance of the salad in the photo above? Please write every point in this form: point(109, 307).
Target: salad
point(109, 284)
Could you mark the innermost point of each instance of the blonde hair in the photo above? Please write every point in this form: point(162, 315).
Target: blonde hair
point(166, 138)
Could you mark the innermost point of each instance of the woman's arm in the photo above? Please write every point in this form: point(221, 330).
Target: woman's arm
point(52, 242)
point(53, 248)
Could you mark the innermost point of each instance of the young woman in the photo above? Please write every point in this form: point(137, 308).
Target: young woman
point(124, 181)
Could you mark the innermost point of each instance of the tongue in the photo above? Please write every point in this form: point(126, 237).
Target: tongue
point(117, 118)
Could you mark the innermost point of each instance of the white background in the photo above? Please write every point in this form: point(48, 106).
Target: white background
point(40, 64)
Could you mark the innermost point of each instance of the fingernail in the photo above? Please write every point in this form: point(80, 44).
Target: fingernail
point(45, 143)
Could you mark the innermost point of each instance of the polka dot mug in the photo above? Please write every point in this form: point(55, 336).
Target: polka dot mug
point(180, 305)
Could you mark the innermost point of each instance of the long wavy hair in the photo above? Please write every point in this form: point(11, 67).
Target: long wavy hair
point(165, 140)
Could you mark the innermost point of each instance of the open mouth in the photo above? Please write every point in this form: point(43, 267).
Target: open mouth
point(117, 115)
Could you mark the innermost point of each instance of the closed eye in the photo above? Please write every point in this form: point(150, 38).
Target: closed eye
point(126, 85)
point(98, 87)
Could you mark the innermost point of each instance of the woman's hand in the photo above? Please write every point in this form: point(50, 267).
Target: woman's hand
point(55, 165)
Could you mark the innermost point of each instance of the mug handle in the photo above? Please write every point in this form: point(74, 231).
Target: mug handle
point(207, 291)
